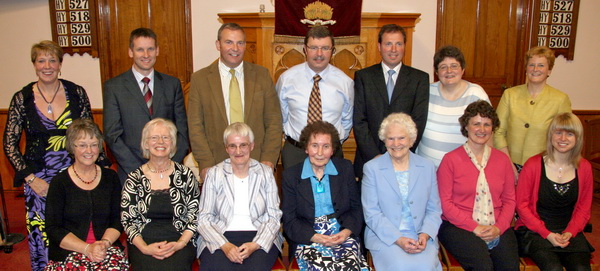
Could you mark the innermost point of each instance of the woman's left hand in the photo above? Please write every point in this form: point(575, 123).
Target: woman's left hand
point(175, 246)
point(422, 242)
point(340, 237)
point(487, 233)
point(96, 251)
point(246, 249)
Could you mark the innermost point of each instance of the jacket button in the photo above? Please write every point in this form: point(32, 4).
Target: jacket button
point(526, 125)
point(411, 202)
point(532, 102)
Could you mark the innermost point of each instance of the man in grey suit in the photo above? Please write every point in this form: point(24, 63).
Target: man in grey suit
point(386, 88)
point(136, 96)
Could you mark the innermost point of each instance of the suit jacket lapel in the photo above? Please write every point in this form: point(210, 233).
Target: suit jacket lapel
point(214, 80)
point(158, 95)
point(414, 173)
point(305, 191)
point(134, 90)
point(228, 184)
point(387, 170)
point(249, 88)
point(401, 82)
point(380, 84)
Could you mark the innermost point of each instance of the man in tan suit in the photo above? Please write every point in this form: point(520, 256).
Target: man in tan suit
point(209, 110)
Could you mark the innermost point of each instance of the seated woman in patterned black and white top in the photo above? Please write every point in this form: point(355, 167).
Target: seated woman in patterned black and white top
point(159, 204)
point(239, 215)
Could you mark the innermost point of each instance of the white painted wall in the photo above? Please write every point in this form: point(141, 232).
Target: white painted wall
point(24, 22)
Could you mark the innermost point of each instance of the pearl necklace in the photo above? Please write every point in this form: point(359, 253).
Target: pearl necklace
point(160, 171)
point(81, 179)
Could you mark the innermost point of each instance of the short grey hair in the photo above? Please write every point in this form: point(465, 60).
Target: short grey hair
point(146, 131)
point(401, 119)
point(240, 129)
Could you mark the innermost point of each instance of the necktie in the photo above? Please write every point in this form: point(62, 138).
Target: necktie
point(390, 84)
point(315, 109)
point(147, 93)
point(236, 113)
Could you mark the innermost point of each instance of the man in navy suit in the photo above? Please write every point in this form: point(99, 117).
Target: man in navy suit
point(386, 88)
point(128, 106)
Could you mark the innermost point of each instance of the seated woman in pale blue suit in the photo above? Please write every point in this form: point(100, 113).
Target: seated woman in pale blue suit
point(400, 201)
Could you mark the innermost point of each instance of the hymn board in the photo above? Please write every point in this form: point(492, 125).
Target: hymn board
point(74, 26)
point(555, 25)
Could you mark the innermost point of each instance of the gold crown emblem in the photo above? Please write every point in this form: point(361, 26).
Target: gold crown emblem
point(318, 13)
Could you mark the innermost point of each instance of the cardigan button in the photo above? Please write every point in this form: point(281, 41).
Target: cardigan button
point(532, 102)
point(526, 125)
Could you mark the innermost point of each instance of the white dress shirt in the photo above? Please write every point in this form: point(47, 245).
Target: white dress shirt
point(337, 95)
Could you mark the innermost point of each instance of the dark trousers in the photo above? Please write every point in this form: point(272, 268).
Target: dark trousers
point(259, 260)
point(472, 252)
point(551, 261)
point(292, 155)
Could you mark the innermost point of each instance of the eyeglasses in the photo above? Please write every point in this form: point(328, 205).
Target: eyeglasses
point(155, 138)
point(243, 146)
point(316, 48)
point(93, 146)
point(452, 67)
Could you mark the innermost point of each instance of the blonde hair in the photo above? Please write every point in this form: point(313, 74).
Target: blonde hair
point(47, 47)
point(541, 51)
point(149, 126)
point(570, 123)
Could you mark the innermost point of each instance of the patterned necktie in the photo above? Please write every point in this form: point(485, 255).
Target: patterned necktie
point(147, 93)
point(236, 113)
point(390, 84)
point(315, 109)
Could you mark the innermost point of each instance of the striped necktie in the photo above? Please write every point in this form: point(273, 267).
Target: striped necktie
point(147, 93)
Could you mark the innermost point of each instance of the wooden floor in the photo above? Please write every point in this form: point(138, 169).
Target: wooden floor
point(19, 258)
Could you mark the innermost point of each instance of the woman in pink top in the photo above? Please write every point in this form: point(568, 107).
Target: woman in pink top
point(477, 192)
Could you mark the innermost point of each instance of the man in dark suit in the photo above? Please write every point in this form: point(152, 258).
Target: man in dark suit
point(128, 106)
point(212, 106)
point(383, 89)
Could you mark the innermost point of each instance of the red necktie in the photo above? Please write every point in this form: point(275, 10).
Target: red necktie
point(147, 94)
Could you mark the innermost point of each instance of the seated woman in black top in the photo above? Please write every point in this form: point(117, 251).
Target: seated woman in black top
point(82, 208)
point(554, 200)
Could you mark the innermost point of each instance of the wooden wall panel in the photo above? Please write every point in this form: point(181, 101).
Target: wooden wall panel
point(490, 35)
point(171, 22)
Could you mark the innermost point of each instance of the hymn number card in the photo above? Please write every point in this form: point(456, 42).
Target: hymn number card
point(73, 25)
point(555, 25)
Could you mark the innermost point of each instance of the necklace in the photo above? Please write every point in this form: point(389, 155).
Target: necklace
point(161, 171)
point(44, 97)
point(79, 177)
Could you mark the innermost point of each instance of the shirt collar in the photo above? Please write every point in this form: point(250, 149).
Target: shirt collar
point(225, 69)
point(308, 172)
point(386, 68)
point(139, 76)
point(312, 73)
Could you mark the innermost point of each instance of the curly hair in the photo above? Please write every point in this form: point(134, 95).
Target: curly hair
point(320, 128)
point(482, 108)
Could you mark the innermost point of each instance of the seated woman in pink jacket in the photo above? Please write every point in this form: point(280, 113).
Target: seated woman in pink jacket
point(477, 192)
point(554, 200)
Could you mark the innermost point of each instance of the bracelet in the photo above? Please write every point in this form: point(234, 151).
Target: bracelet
point(85, 249)
point(106, 240)
point(28, 182)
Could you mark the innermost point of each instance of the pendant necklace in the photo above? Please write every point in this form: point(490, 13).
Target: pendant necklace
point(79, 177)
point(44, 97)
point(161, 171)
